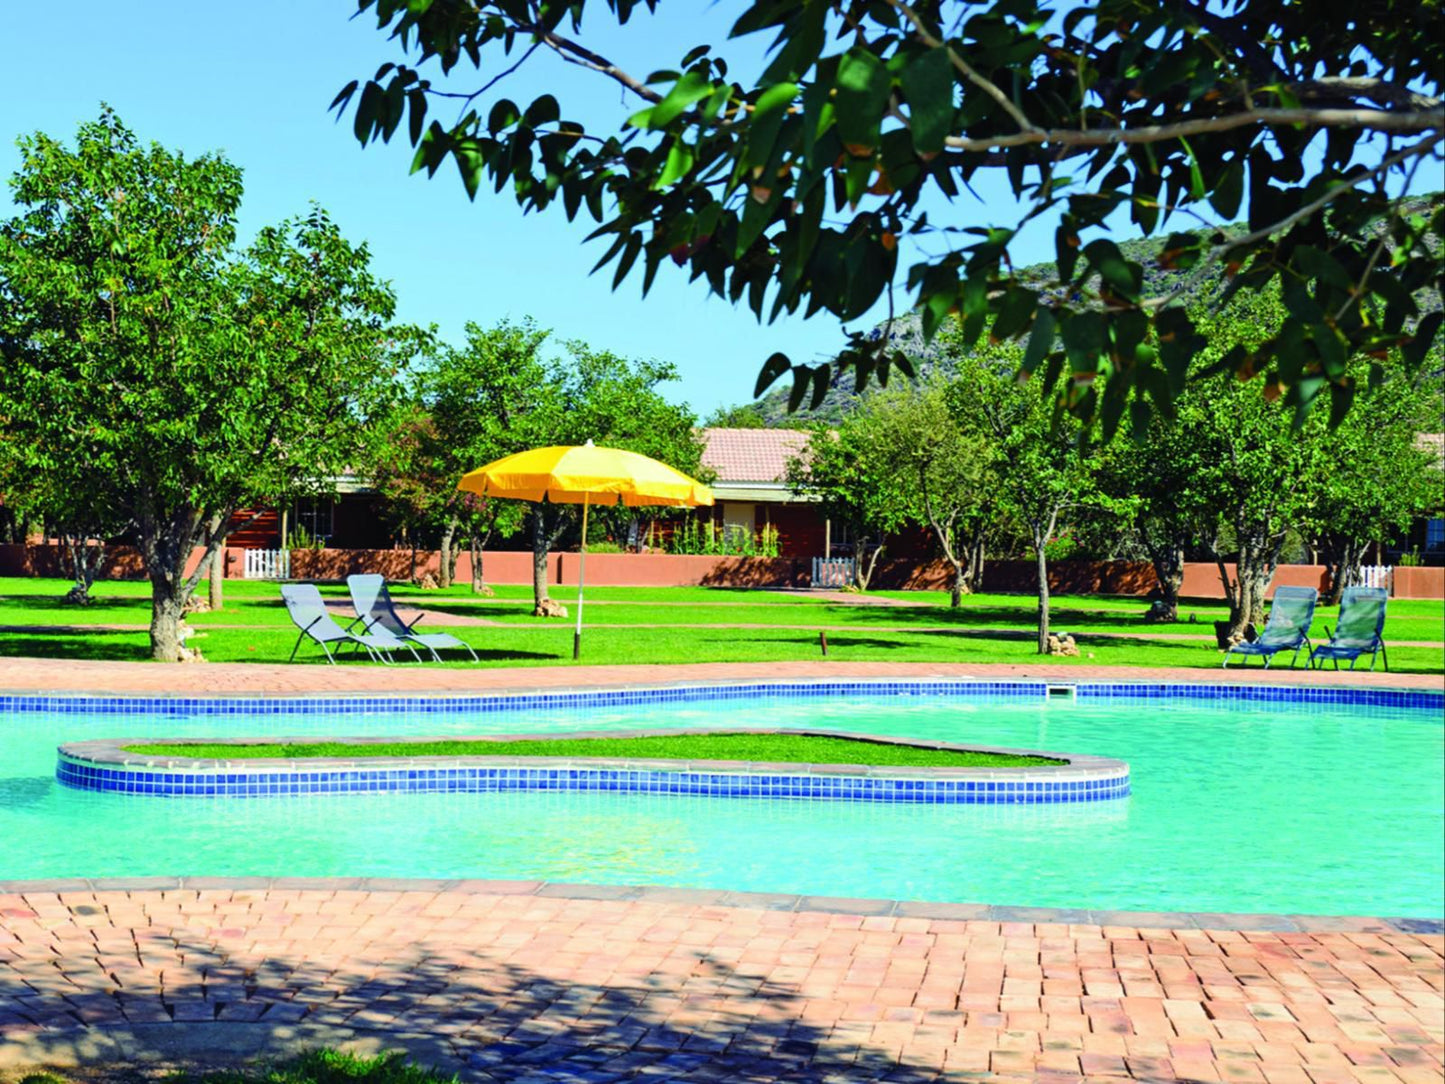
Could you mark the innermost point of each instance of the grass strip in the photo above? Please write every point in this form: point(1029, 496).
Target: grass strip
point(789, 748)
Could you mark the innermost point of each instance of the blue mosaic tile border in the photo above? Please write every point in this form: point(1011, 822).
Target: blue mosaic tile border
point(469, 778)
point(609, 698)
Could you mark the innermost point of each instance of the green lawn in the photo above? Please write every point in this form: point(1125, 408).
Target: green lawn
point(695, 622)
point(789, 748)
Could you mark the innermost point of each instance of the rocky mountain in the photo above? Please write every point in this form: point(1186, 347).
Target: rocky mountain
point(771, 410)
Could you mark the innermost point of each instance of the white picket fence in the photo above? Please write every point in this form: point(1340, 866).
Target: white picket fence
point(1376, 575)
point(832, 571)
point(268, 564)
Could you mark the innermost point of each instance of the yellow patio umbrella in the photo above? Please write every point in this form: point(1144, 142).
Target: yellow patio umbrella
point(585, 475)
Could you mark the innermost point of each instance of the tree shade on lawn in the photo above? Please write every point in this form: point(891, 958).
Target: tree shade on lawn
point(578, 475)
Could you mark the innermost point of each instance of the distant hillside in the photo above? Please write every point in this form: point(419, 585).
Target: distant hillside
point(907, 333)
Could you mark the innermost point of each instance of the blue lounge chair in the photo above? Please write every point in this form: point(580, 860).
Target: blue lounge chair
point(1362, 619)
point(1289, 624)
point(309, 613)
point(376, 612)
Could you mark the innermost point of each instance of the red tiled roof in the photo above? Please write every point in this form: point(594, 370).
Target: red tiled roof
point(751, 455)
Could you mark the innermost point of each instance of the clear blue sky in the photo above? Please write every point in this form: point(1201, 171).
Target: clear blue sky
point(254, 81)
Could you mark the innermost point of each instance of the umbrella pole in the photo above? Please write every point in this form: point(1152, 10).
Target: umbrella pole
point(581, 579)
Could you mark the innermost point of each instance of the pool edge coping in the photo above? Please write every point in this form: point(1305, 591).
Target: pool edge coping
point(764, 901)
point(1205, 687)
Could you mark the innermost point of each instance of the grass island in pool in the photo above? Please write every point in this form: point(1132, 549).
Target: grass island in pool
point(807, 764)
point(770, 747)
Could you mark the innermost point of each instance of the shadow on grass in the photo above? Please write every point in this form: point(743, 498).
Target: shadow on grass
point(691, 1017)
point(57, 604)
point(100, 645)
point(1023, 615)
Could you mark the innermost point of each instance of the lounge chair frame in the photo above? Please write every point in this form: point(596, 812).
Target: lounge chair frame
point(1375, 648)
point(1268, 650)
point(382, 613)
point(325, 630)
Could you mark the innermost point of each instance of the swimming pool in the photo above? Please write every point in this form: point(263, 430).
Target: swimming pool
point(1238, 805)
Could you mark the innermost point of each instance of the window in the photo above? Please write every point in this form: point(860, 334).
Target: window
point(1435, 534)
point(313, 518)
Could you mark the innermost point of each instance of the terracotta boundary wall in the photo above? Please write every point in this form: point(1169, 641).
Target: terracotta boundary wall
point(1128, 578)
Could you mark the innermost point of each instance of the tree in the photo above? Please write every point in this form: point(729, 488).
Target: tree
point(1161, 475)
point(498, 394)
point(611, 400)
point(1044, 464)
point(1374, 479)
point(743, 416)
point(801, 191)
point(190, 379)
point(491, 398)
point(941, 473)
point(853, 485)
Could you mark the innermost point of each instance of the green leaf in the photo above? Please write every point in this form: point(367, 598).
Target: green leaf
point(822, 377)
point(1229, 191)
point(1123, 276)
point(679, 161)
point(928, 85)
point(776, 365)
point(802, 379)
point(692, 87)
point(862, 84)
point(1415, 350)
point(1041, 339)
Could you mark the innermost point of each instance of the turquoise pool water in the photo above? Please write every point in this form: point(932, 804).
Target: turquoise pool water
point(1238, 807)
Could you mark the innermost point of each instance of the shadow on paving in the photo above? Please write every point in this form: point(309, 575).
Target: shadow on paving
point(450, 1008)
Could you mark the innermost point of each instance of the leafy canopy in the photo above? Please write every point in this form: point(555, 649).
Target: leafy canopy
point(802, 191)
point(163, 373)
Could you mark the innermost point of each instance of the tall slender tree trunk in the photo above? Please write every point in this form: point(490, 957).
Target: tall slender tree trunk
point(1042, 569)
point(216, 590)
point(448, 570)
point(973, 575)
point(960, 584)
point(539, 555)
point(476, 546)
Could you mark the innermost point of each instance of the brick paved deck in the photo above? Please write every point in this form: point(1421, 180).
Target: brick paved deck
point(519, 982)
point(527, 983)
point(77, 676)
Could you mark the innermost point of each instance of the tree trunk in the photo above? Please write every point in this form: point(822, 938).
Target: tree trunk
point(539, 555)
point(448, 570)
point(1168, 562)
point(1254, 568)
point(974, 559)
point(1043, 574)
point(166, 604)
point(216, 591)
point(863, 570)
point(1343, 561)
point(960, 584)
point(84, 566)
point(476, 547)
